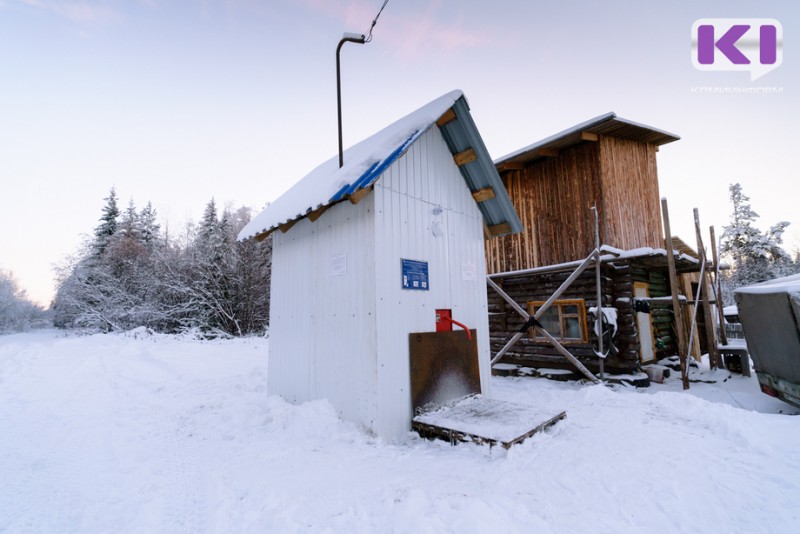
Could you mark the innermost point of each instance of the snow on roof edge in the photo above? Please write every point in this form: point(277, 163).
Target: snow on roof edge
point(557, 136)
point(600, 119)
point(785, 284)
point(328, 184)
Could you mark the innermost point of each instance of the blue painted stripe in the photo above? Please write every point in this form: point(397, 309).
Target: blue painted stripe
point(372, 174)
point(375, 170)
point(340, 194)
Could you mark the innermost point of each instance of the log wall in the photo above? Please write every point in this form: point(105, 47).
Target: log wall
point(617, 291)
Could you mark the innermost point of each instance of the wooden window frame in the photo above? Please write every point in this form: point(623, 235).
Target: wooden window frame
point(559, 305)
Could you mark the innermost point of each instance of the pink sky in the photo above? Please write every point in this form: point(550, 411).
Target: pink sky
point(176, 103)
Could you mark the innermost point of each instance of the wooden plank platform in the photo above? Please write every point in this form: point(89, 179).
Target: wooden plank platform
point(482, 420)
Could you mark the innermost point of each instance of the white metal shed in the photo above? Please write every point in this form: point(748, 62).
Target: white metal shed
point(365, 255)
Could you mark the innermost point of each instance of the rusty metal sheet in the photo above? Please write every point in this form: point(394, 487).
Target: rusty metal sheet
point(444, 366)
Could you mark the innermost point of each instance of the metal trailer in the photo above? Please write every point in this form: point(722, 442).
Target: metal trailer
point(770, 316)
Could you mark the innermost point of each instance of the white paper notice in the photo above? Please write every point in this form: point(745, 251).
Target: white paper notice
point(339, 265)
point(469, 272)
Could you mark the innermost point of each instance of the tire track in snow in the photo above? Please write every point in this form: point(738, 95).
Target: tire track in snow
point(151, 394)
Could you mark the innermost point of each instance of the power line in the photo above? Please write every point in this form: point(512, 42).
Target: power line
point(374, 21)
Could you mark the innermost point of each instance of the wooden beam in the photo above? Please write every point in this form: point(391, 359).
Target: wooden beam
point(317, 213)
point(500, 229)
point(548, 152)
point(588, 136)
point(723, 337)
point(285, 227)
point(676, 303)
point(511, 166)
point(486, 233)
point(359, 195)
point(462, 158)
point(263, 235)
point(482, 195)
point(711, 338)
point(554, 342)
point(568, 355)
point(446, 117)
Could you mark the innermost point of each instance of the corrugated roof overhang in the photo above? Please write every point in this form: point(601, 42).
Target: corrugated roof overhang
point(480, 174)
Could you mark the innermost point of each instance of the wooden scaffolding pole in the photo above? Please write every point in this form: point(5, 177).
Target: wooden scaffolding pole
point(600, 317)
point(723, 337)
point(711, 338)
point(676, 303)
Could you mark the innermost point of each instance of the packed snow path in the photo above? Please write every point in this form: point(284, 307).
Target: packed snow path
point(143, 433)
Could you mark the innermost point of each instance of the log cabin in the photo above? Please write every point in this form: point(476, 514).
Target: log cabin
point(607, 164)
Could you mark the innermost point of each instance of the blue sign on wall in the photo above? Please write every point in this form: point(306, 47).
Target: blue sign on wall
point(415, 275)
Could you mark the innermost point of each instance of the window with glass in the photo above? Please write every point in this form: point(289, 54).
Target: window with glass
point(565, 320)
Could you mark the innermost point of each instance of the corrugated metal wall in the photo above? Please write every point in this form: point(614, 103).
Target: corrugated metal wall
point(406, 200)
point(322, 320)
point(344, 337)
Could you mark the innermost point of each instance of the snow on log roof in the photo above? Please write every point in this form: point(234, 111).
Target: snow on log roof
point(609, 124)
point(609, 254)
point(366, 161)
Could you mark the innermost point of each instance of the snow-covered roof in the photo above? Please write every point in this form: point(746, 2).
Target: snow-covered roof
point(366, 161)
point(608, 124)
point(730, 310)
point(786, 284)
point(608, 254)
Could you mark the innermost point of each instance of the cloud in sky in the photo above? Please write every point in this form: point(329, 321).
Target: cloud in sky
point(408, 35)
point(79, 12)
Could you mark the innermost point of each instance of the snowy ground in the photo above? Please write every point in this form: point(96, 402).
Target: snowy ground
point(138, 433)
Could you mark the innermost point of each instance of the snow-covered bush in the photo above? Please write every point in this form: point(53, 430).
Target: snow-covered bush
point(17, 312)
point(130, 275)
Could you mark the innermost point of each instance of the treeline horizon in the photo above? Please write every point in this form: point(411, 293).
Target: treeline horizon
point(130, 274)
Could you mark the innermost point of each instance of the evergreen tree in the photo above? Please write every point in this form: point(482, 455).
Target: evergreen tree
point(209, 223)
point(129, 224)
point(127, 276)
point(149, 229)
point(108, 223)
point(756, 256)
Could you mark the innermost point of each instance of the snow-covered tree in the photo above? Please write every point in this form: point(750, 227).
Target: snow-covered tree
point(17, 312)
point(108, 223)
point(149, 229)
point(756, 256)
point(208, 281)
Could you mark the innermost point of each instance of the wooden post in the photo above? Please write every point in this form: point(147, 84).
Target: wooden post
point(723, 337)
point(711, 338)
point(676, 303)
point(598, 282)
